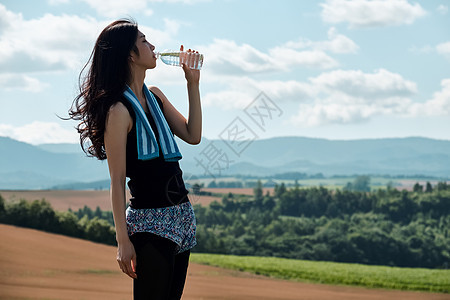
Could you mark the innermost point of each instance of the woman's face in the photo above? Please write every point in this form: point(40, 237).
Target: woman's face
point(146, 58)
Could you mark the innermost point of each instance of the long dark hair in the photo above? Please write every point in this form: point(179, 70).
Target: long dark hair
point(104, 83)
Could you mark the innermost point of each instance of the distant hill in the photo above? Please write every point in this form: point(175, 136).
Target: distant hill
point(60, 148)
point(24, 166)
point(93, 185)
point(393, 156)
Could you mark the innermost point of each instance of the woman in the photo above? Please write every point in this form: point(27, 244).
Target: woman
point(132, 127)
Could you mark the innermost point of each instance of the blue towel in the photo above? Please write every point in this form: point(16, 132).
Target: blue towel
point(146, 141)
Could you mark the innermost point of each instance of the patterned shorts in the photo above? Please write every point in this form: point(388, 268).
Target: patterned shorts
point(176, 223)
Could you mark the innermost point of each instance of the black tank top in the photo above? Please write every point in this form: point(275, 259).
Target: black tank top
point(153, 183)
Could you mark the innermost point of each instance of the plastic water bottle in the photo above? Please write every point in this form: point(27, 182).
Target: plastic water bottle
point(174, 58)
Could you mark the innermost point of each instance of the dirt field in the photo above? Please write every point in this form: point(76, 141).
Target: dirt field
point(39, 265)
point(62, 200)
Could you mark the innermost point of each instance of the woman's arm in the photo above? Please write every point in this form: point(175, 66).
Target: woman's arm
point(189, 130)
point(118, 124)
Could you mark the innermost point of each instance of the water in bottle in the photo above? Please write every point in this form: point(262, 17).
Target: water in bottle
point(174, 58)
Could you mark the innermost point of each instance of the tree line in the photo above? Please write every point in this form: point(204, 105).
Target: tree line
point(85, 223)
point(383, 227)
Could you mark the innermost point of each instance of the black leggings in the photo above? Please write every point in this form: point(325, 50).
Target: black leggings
point(161, 272)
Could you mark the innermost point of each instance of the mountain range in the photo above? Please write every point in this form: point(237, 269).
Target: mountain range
point(25, 166)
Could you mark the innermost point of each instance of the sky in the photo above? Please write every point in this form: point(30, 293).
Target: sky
point(334, 69)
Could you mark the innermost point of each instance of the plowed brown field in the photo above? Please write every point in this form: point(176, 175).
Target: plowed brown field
point(62, 200)
point(39, 265)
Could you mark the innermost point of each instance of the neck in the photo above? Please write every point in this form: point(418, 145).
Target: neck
point(136, 84)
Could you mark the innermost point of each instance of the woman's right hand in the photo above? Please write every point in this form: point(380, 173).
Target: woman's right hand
point(126, 257)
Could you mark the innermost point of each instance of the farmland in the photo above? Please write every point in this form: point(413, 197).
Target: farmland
point(334, 273)
point(62, 200)
point(40, 265)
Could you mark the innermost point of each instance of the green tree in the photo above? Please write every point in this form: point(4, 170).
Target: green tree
point(390, 186)
point(98, 212)
point(18, 213)
point(279, 190)
point(442, 186)
point(42, 216)
point(237, 229)
point(98, 230)
point(268, 203)
point(68, 225)
point(291, 201)
point(417, 188)
point(362, 183)
point(258, 193)
point(212, 184)
point(196, 188)
point(399, 208)
point(348, 186)
point(2, 208)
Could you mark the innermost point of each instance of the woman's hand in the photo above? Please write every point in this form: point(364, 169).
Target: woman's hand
point(126, 257)
point(188, 60)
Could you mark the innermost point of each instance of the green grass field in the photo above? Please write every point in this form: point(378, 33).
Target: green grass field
point(333, 273)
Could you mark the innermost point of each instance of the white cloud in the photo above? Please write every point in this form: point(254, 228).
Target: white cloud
point(55, 43)
point(39, 133)
point(21, 82)
point(233, 99)
point(330, 113)
point(47, 43)
point(375, 13)
point(351, 96)
point(444, 49)
point(341, 96)
point(7, 18)
point(443, 9)
point(336, 43)
point(118, 8)
point(242, 91)
point(57, 2)
point(289, 58)
point(438, 105)
point(344, 109)
point(422, 49)
point(284, 91)
point(355, 83)
point(225, 57)
point(160, 38)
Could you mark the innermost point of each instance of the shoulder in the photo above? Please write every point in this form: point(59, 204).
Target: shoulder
point(123, 105)
point(118, 113)
point(118, 109)
point(157, 92)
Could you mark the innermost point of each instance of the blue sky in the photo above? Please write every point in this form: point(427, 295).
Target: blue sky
point(335, 69)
